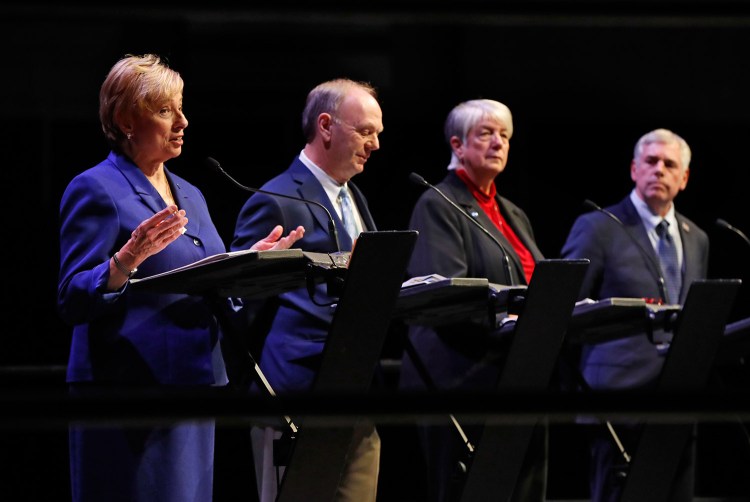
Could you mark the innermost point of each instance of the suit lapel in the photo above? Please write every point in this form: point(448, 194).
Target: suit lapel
point(364, 210)
point(184, 201)
point(634, 225)
point(150, 196)
point(310, 189)
point(691, 261)
point(139, 182)
point(467, 202)
point(514, 220)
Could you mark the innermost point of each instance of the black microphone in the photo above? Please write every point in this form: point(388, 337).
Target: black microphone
point(214, 164)
point(415, 178)
point(723, 224)
point(644, 252)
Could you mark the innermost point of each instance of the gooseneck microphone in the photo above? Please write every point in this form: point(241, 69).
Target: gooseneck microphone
point(419, 180)
point(644, 252)
point(726, 226)
point(214, 164)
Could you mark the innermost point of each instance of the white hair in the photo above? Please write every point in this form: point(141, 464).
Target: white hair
point(468, 114)
point(667, 137)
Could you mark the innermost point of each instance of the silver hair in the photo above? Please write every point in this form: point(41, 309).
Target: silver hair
point(667, 137)
point(468, 114)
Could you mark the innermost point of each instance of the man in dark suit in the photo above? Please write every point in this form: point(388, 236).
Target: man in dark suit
point(341, 122)
point(625, 262)
point(461, 356)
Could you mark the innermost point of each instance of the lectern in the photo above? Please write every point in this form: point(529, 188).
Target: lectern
point(250, 275)
point(698, 333)
point(544, 308)
point(534, 349)
point(735, 346)
point(696, 342)
point(246, 274)
point(355, 340)
point(371, 284)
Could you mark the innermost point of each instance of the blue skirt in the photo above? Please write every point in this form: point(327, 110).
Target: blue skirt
point(137, 463)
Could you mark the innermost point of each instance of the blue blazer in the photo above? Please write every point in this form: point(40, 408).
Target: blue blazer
point(127, 336)
point(619, 268)
point(299, 327)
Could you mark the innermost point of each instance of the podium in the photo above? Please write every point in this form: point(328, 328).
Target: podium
point(612, 318)
point(371, 284)
point(360, 324)
point(438, 300)
point(249, 275)
point(735, 345)
point(544, 308)
point(246, 274)
point(698, 335)
point(697, 339)
point(534, 349)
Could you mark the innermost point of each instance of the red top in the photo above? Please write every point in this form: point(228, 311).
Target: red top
point(489, 205)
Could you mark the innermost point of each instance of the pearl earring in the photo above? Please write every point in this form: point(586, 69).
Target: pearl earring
point(130, 135)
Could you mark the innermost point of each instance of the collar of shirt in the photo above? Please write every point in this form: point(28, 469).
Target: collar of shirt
point(475, 191)
point(331, 186)
point(650, 220)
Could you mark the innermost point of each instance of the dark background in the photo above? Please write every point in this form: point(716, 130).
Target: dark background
point(584, 81)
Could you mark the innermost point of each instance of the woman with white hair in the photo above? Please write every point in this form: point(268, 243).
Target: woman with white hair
point(459, 356)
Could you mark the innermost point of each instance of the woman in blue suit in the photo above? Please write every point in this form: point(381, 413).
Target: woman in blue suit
point(130, 215)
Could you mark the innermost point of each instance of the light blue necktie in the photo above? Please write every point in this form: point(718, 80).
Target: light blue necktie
point(347, 213)
point(670, 265)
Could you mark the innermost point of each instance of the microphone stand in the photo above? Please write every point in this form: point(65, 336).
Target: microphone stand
point(644, 252)
point(726, 226)
point(425, 376)
point(338, 258)
point(419, 180)
point(230, 328)
point(462, 466)
point(662, 291)
point(214, 164)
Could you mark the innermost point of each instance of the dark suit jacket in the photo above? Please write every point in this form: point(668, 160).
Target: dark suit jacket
point(132, 337)
point(298, 327)
point(620, 268)
point(450, 245)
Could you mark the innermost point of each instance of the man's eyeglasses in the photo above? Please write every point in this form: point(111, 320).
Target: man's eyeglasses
point(365, 132)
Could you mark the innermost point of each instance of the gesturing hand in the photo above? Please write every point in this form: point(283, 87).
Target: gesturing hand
point(273, 241)
point(149, 237)
point(156, 233)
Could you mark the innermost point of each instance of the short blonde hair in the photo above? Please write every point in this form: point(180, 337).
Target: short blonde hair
point(134, 84)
